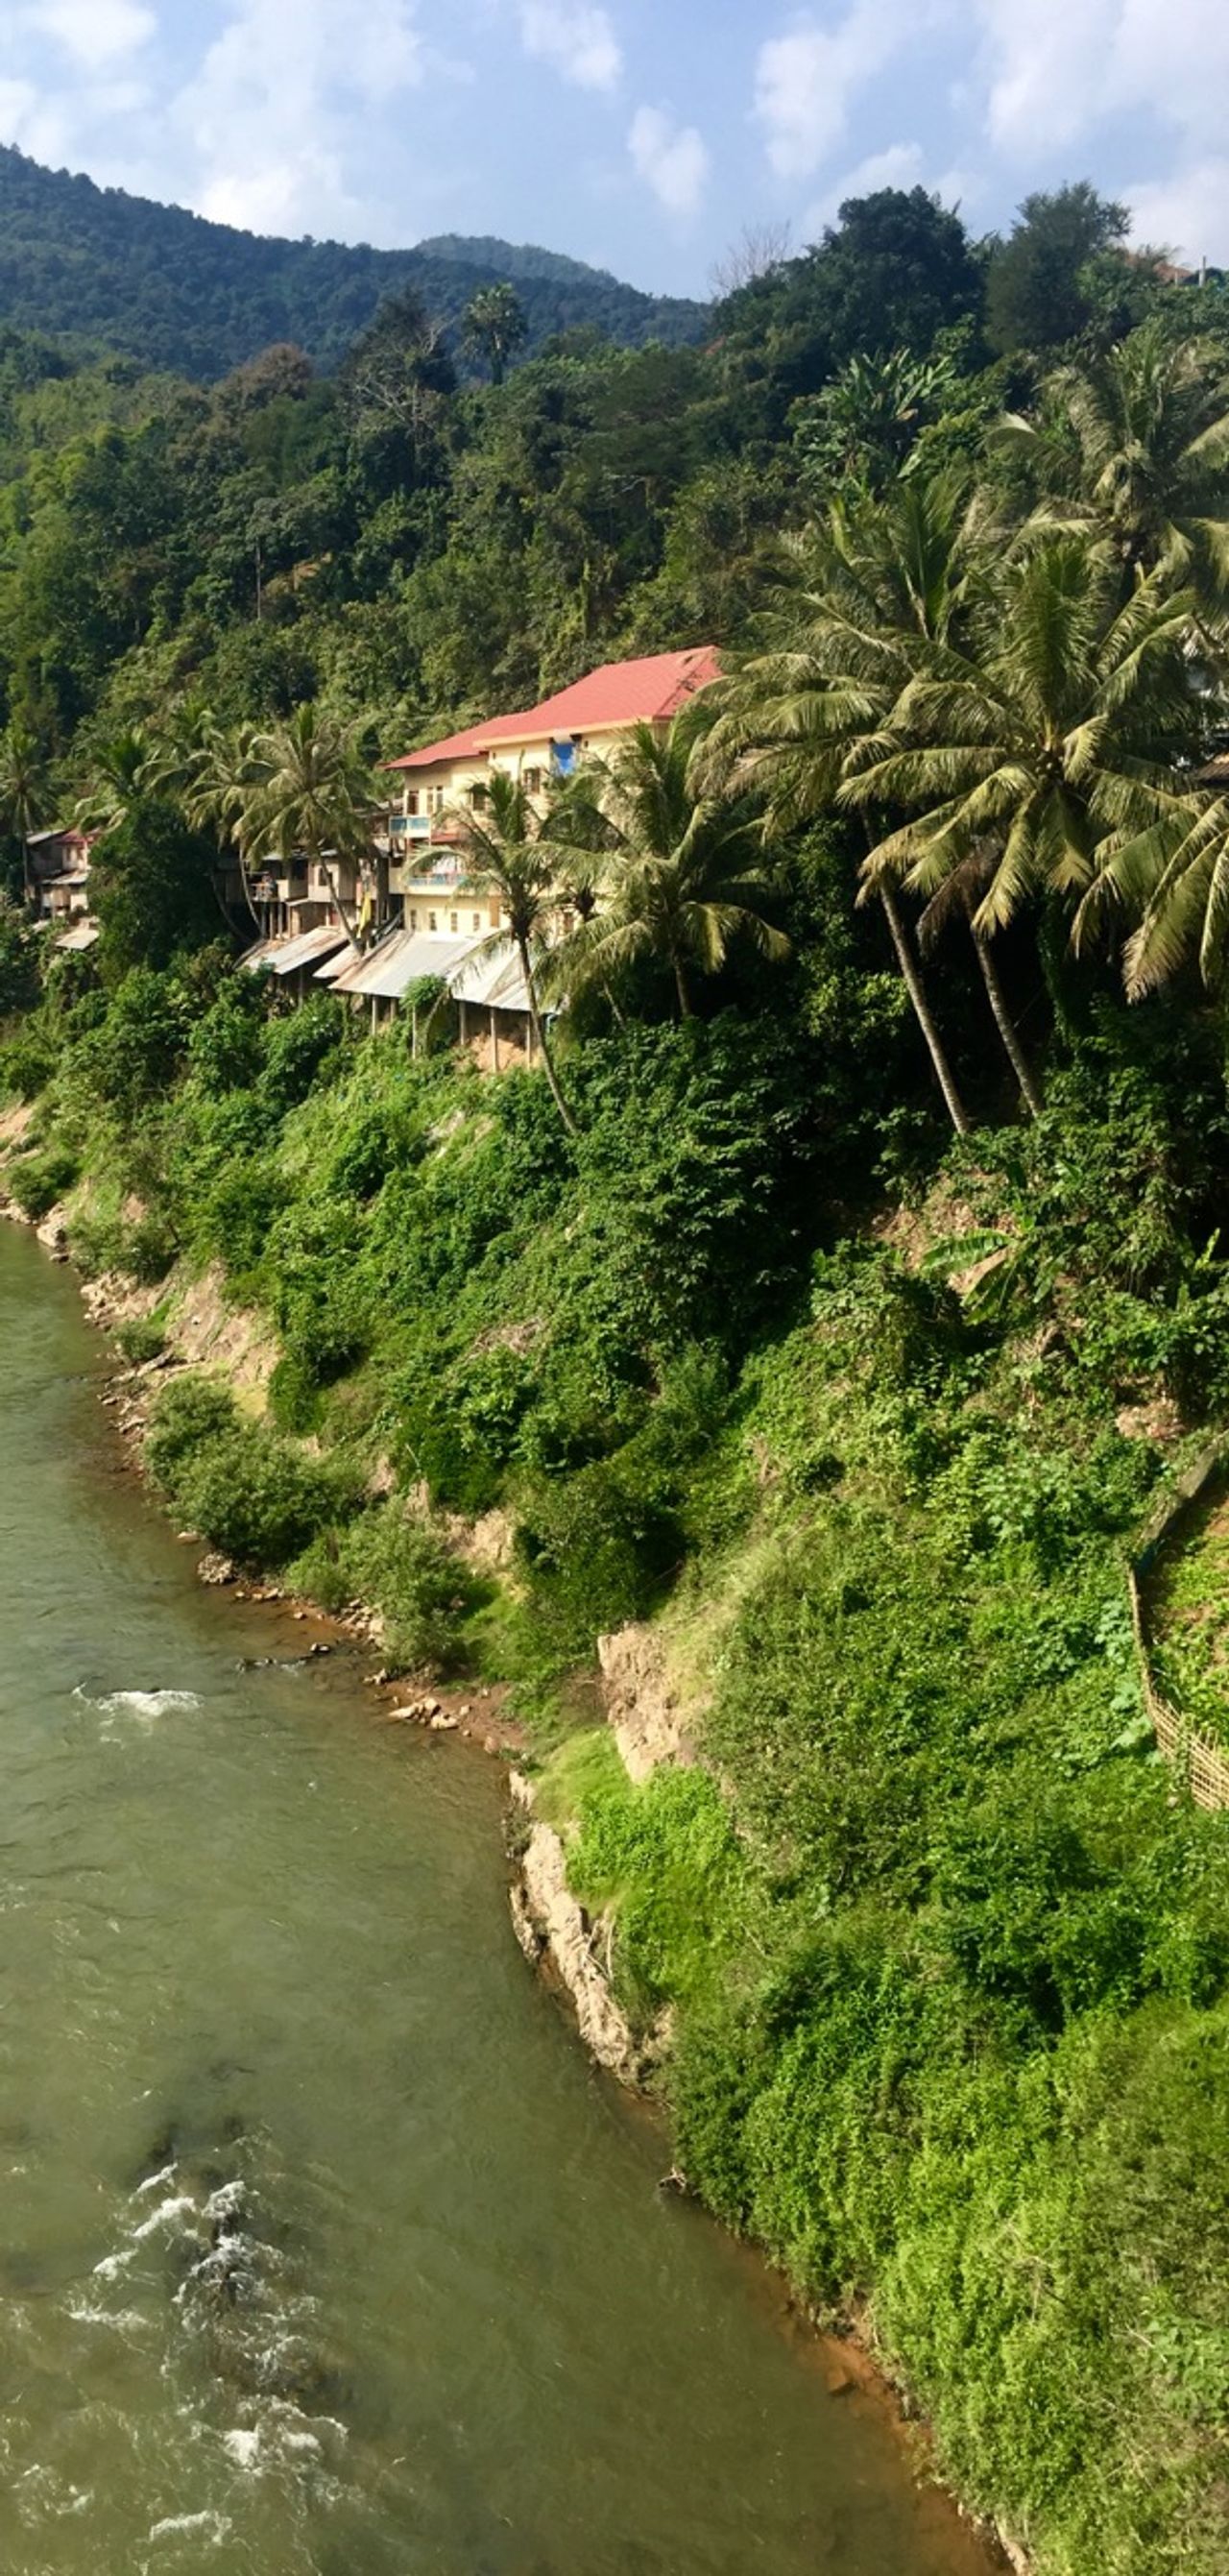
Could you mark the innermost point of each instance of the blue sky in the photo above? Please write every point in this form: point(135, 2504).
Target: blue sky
point(644, 135)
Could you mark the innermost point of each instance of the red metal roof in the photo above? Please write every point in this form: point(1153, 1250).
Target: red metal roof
point(454, 747)
point(648, 691)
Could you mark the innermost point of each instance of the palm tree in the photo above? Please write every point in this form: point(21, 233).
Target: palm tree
point(686, 866)
point(1042, 751)
point(1175, 875)
point(507, 856)
point(870, 599)
point(310, 789)
point(213, 773)
point(119, 775)
point(495, 326)
point(24, 798)
point(957, 899)
point(1151, 428)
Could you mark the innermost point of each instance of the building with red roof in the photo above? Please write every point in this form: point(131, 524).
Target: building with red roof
point(611, 700)
point(439, 782)
point(437, 925)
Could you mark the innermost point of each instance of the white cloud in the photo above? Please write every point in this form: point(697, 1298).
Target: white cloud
point(94, 33)
point(1055, 69)
point(576, 38)
point(33, 121)
point(274, 118)
point(1188, 214)
point(900, 166)
point(1054, 72)
point(805, 83)
point(672, 159)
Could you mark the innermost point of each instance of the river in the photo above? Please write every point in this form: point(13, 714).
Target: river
point(323, 2252)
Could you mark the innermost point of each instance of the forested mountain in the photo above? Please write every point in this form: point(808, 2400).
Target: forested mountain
point(174, 291)
point(411, 548)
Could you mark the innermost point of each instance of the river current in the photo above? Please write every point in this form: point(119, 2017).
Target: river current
point(322, 2250)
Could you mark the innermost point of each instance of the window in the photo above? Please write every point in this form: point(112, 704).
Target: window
point(533, 782)
point(432, 923)
point(477, 795)
point(452, 921)
point(411, 800)
point(477, 920)
point(413, 921)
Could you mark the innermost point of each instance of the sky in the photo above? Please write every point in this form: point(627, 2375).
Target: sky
point(647, 136)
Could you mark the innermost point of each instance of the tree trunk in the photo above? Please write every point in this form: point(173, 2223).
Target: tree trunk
point(1003, 1021)
point(246, 883)
point(343, 908)
point(535, 1023)
point(680, 986)
point(917, 994)
point(27, 872)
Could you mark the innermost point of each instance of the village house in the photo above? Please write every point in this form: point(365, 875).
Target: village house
point(440, 929)
point(59, 862)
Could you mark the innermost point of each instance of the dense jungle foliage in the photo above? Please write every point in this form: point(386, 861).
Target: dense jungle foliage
point(868, 1294)
point(172, 290)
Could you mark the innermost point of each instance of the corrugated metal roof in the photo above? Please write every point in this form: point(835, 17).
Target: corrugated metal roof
point(284, 956)
point(491, 979)
point(646, 691)
point(82, 935)
point(387, 972)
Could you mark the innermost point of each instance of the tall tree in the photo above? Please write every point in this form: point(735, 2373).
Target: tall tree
point(213, 771)
point(1034, 295)
point(1045, 746)
point(25, 796)
point(685, 869)
point(496, 326)
point(507, 856)
point(1150, 421)
point(119, 772)
point(312, 790)
point(866, 602)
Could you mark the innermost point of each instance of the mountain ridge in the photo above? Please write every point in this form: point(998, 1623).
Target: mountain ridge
point(178, 292)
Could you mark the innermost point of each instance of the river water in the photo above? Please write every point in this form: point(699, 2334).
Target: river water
point(322, 2250)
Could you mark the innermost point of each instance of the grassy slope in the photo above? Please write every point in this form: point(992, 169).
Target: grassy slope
point(949, 1956)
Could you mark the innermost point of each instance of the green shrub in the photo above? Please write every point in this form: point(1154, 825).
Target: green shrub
point(254, 1495)
point(423, 1590)
point(597, 1552)
point(192, 1413)
point(27, 1061)
point(226, 1048)
point(38, 1181)
point(295, 1395)
point(141, 1339)
point(258, 1498)
point(148, 1248)
point(302, 1052)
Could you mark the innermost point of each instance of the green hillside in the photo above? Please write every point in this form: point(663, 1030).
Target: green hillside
point(176, 292)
